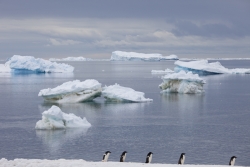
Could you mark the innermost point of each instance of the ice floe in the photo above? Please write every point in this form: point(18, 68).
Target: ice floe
point(120, 93)
point(73, 91)
point(133, 56)
point(182, 82)
point(166, 71)
point(204, 68)
point(54, 118)
point(29, 63)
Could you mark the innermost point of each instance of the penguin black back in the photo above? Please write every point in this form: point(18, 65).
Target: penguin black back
point(123, 156)
point(232, 160)
point(181, 159)
point(149, 157)
point(106, 156)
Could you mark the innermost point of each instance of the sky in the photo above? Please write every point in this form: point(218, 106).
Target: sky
point(96, 28)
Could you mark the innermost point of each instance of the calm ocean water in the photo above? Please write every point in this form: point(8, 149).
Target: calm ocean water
point(209, 127)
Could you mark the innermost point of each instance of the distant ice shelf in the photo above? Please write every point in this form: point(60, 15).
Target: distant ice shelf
point(73, 91)
point(38, 65)
point(202, 67)
point(133, 56)
point(54, 118)
point(182, 82)
point(166, 71)
point(120, 93)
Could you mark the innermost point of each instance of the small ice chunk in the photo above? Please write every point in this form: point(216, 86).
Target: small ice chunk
point(166, 71)
point(119, 93)
point(182, 82)
point(54, 118)
point(4, 68)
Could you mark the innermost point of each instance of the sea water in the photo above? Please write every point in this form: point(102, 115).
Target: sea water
point(209, 127)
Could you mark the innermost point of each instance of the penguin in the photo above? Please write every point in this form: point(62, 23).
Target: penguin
point(123, 156)
point(106, 156)
point(182, 159)
point(232, 161)
point(149, 157)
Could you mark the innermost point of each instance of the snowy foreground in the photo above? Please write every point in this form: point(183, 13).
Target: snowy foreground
point(73, 91)
point(203, 67)
point(182, 82)
point(133, 56)
point(120, 93)
point(54, 118)
point(79, 163)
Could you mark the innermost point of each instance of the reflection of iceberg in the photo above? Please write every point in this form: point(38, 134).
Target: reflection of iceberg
point(55, 139)
point(133, 56)
point(182, 82)
point(31, 64)
point(119, 93)
point(166, 71)
point(73, 91)
point(205, 68)
point(54, 118)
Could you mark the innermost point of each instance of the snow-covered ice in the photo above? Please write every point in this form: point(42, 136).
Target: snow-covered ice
point(120, 93)
point(30, 63)
point(182, 82)
point(133, 56)
point(54, 118)
point(73, 91)
point(166, 71)
point(205, 68)
point(69, 59)
point(83, 163)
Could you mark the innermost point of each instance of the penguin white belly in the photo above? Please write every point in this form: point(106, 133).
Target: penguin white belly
point(183, 159)
point(233, 162)
point(150, 158)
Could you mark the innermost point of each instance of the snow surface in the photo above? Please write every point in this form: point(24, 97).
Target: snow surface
point(133, 56)
point(73, 91)
point(54, 118)
point(119, 93)
point(69, 59)
point(166, 71)
point(4, 68)
point(203, 67)
point(182, 82)
point(81, 162)
point(37, 65)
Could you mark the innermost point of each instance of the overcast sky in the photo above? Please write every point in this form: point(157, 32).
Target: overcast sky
point(95, 28)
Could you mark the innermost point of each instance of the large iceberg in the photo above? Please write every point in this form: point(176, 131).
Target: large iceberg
point(119, 93)
point(204, 68)
point(182, 82)
point(54, 118)
point(73, 91)
point(69, 59)
point(133, 56)
point(29, 63)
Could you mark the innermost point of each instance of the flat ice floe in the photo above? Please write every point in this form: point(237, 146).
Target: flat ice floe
point(182, 82)
point(120, 93)
point(133, 56)
point(73, 91)
point(166, 71)
point(204, 68)
point(69, 59)
point(54, 118)
point(32, 64)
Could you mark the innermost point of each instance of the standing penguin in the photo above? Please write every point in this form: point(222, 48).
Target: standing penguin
point(123, 156)
point(182, 159)
point(149, 157)
point(106, 156)
point(232, 161)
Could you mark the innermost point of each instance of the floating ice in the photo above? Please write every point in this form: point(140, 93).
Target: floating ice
point(4, 68)
point(73, 91)
point(69, 59)
point(182, 82)
point(166, 71)
point(119, 93)
point(133, 56)
point(205, 68)
point(30, 63)
point(54, 118)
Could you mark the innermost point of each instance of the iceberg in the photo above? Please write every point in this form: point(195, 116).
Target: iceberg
point(73, 91)
point(202, 67)
point(54, 118)
point(119, 93)
point(69, 59)
point(31, 64)
point(133, 56)
point(166, 71)
point(182, 82)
